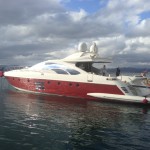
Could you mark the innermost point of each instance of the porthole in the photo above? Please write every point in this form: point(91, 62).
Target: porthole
point(77, 85)
point(48, 82)
point(70, 84)
point(58, 83)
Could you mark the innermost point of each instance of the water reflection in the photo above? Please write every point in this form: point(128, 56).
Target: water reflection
point(30, 121)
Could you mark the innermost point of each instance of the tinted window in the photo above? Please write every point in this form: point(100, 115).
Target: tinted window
point(59, 71)
point(73, 72)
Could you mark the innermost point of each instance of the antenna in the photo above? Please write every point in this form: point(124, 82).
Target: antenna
point(94, 48)
point(82, 47)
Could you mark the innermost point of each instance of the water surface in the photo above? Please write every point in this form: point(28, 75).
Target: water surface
point(42, 122)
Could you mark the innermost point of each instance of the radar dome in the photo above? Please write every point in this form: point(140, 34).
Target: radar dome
point(94, 48)
point(82, 47)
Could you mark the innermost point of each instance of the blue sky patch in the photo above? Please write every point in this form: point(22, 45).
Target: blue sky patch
point(89, 6)
point(145, 15)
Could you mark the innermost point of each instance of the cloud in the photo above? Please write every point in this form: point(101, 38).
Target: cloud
point(140, 29)
point(77, 16)
point(31, 29)
point(23, 11)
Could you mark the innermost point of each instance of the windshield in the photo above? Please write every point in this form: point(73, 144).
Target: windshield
point(58, 68)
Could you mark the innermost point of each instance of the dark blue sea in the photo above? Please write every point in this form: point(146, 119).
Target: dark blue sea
point(42, 122)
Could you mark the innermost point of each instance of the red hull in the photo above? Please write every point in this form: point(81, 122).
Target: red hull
point(76, 89)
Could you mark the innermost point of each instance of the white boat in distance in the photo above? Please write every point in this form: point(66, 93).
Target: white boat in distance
point(76, 76)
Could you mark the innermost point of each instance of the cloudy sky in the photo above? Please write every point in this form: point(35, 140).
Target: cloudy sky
point(36, 30)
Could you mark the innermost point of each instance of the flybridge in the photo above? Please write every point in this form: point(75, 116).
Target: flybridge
point(87, 55)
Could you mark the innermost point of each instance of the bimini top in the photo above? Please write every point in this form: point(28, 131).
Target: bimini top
point(85, 55)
